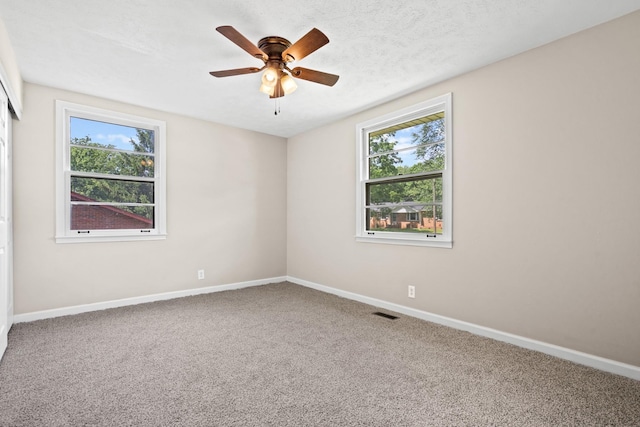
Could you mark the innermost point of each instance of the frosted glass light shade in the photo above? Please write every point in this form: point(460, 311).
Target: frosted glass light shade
point(270, 77)
point(269, 90)
point(288, 84)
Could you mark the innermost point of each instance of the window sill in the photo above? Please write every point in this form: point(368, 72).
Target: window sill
point(405, 241)
point(121, 238)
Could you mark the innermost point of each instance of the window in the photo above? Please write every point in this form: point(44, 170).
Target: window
point(110, 175)
point(404, 193)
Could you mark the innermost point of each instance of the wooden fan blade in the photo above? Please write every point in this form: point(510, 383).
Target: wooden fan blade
point(235, 72)
point(232, 34)
point(315, 76)
point(309, 43)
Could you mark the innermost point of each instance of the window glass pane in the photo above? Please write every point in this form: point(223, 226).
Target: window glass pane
point(425, 130)
point(110, 190)
point(429, 133)
point(425, 158)
point(405, 219)
point(101, 217)
point(387, 142)
point(379, 218)
point(109, 162)
point(419, 191)
point(430, 216)
point(111, 135)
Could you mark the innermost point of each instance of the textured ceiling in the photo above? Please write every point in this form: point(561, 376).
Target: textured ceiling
point(158, 53)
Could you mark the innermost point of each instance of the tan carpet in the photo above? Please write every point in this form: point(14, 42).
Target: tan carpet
point(285, 355)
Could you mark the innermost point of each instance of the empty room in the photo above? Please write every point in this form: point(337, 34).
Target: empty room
point(417, 213)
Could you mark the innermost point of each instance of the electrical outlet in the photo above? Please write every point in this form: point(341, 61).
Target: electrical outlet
point(412, 291)
point(200, 274)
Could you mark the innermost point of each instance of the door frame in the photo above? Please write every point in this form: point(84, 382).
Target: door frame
point(6, 222)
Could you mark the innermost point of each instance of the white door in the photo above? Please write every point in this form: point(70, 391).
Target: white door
point(6, 291)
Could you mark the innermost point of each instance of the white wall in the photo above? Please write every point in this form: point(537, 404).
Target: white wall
point(546, 200)
point(226, 192)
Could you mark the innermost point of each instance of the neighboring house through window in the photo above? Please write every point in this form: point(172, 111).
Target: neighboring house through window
point(404, 191)
point(110, 175)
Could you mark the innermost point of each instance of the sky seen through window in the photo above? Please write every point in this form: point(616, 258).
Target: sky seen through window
point(104, 133)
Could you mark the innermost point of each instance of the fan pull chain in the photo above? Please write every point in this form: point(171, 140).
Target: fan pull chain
point(276, 107)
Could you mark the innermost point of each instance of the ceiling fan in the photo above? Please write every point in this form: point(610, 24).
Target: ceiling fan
point(276, 53)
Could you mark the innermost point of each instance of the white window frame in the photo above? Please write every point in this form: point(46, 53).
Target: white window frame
point(432, 106)
point(64, 234)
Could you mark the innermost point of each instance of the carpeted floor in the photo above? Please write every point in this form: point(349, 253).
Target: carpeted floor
point(285, 355)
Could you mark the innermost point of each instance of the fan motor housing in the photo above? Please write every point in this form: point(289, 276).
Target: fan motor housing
point(273, 46)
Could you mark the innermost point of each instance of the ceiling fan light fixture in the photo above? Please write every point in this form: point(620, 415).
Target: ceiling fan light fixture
point(288, 84)
point(268, 90)
point(276, 52)
point(270, 77)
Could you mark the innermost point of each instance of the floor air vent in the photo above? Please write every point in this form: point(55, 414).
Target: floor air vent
point(385, 315)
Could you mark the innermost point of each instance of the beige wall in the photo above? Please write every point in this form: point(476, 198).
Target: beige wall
point(9, 72)
point(226, 192)
point(553, 133)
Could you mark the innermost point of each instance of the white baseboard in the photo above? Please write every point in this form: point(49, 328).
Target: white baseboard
point(66, 311)
point(586, 359)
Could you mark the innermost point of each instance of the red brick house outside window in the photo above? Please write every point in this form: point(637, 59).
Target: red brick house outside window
point(93, 217)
